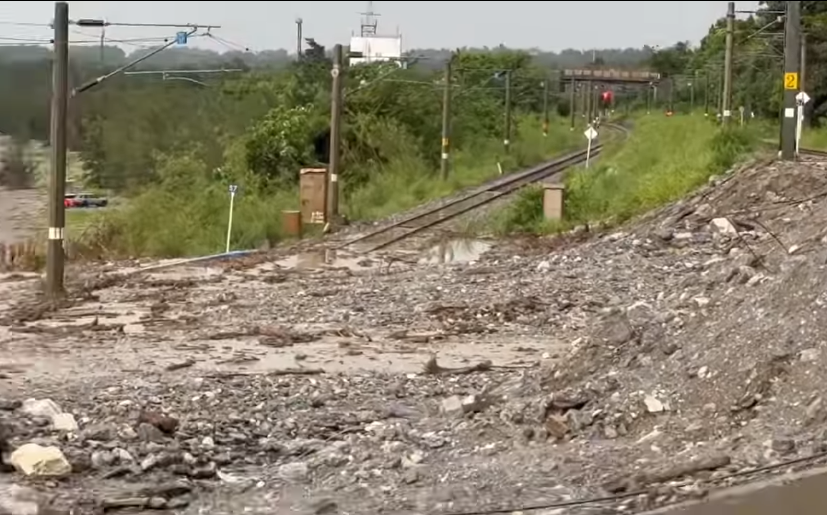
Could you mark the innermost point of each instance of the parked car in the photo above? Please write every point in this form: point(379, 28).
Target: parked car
point(90, 200)
point(84, 200)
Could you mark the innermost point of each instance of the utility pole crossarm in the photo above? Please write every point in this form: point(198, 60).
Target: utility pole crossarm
point(95, 22)
point(94, 82)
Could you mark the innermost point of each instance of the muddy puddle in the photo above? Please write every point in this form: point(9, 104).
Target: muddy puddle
point(327, 258)
point(455, 251)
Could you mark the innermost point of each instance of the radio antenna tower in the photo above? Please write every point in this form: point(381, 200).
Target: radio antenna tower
point(369, 21)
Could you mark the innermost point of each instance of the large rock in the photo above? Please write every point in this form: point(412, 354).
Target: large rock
point(38, 461)
point(41, 408)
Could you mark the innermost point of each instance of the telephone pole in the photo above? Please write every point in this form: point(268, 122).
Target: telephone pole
point(803, 86)
point(446, 120)
point(706, 93)
point(545, 107)
point(507, 134)
point(573, 102)
point(730, 30)
point(587, 100)
point(335, 137)
point(792, 57)
point(57, 180)
point(692, 92)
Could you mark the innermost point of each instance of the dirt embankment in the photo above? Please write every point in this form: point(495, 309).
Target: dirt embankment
point(643, 367)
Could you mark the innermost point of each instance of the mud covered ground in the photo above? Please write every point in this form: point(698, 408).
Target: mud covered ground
point(611, 372)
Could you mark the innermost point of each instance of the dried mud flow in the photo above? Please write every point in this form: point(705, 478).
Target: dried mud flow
point(603, 372)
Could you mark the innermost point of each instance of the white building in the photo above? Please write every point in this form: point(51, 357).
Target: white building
point(374, 49)
point(370, 47)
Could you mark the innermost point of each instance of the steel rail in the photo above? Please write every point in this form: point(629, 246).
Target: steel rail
point(485, 195)
point(812, 152)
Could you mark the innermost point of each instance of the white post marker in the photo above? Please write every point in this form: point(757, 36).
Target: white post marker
point(590, 134)
point(233, 190)
point(801, 100)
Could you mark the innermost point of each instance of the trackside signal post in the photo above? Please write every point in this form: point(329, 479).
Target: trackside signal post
point(792, 57)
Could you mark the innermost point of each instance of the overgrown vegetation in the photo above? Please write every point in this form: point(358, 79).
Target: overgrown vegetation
point(757, 65)
point(664, 159)
point(171, 149)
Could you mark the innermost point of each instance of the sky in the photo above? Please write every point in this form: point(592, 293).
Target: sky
point(547, 25)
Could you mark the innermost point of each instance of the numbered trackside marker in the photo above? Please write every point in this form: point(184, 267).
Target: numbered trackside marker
point(802, 98)
point(791, 81)
point(233, 189)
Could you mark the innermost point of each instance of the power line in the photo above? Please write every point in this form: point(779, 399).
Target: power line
point(24, 24)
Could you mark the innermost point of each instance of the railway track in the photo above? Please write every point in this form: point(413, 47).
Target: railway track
point(812, 152)
point(395, 232)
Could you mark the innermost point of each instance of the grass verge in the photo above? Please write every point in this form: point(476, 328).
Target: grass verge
point(663, 160)
point(815, 138)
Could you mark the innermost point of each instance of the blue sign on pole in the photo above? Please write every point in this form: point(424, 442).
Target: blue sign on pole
point(233, 189)
point(181, 38)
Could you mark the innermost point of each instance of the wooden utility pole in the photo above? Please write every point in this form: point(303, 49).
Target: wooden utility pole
point(507, 131)
point(692, 92)
point(803, 85)
point(55, 255)
point(334, 167)
point(706, 93)
point(545, 107)
point(573, 102)
point(792, 58)
point(587, 98)
point(730, 33)
point(446, 120)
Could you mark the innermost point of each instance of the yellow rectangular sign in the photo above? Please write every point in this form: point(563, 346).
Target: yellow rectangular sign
point(790, 81)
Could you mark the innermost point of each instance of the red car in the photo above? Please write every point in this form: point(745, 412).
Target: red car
point(70, 200)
